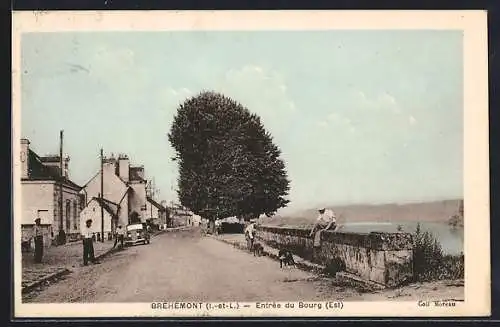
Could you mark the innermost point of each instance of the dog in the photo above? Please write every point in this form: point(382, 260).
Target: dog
point(258, 249)
point(286, 258)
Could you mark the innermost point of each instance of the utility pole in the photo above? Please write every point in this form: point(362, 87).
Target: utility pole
point(151, 194)
point(102, 191)
point(62, 239)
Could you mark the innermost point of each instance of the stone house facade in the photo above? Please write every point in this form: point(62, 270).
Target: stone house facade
point(123, 185)
point(42, 184)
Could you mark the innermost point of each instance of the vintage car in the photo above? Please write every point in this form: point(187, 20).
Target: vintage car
point(137, 233)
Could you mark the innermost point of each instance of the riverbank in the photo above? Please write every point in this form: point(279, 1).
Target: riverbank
point(436, 211)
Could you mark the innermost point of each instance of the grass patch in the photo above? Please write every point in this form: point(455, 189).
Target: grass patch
point(429, 262)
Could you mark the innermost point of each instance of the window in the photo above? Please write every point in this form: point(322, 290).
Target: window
point(68, 215)
point(83, 201)
point(75, 214)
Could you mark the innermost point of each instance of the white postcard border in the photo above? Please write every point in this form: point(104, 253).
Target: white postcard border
point(476, 151)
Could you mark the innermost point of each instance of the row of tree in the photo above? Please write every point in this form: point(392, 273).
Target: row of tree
point(228, 163)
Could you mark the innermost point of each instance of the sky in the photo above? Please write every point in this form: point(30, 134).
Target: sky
point(360, 116)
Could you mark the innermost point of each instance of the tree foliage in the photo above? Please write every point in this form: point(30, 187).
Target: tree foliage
point(228, 163)
point(429, 260)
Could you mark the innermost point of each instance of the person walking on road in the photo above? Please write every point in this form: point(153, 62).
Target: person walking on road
point(88, 243)
point(120, 234)
point(218, 227)
point(38, 237)
point(326, 220)
point(250, 234)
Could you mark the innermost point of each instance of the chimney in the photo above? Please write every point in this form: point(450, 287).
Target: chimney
point(25, 147)
point(109, 165)
point(66, 167)
point(123, 167)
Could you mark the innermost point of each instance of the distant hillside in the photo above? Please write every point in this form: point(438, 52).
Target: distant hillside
point(438, 211)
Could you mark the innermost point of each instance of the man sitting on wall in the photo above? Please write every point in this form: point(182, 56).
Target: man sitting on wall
point(326, 220)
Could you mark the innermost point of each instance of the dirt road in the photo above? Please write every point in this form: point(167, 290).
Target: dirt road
point(183, 266)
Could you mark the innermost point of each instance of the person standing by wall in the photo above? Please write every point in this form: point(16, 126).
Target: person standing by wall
point(38, 237)
point(88, 243)
point(250, 234)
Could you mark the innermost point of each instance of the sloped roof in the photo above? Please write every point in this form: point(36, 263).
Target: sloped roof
point(109, 206)
point(156, 204)
point(52, 158)
point(38, 171)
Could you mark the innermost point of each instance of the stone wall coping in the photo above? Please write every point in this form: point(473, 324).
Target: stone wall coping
point(373, 240)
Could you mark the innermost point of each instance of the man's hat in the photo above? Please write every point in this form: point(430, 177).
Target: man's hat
point(37, 219)
point(321, 208)
point(88, 220)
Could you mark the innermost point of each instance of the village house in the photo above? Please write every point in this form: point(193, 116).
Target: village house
point(180, 215)
point(124, 189)
point(193, 220)
point(157, 212)
point(48, 193)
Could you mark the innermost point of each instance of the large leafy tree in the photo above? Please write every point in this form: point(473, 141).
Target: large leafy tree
point(228, 163)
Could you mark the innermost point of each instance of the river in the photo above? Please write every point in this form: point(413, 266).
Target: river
point(451, 239)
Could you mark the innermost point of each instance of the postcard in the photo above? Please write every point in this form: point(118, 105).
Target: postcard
point(250, 164)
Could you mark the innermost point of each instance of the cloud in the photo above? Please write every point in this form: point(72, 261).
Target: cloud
point(383, 102)
point(387, 98)
point(333, 117)
point(171, 97)
point(412, 120)
point(263, 91)
point(336, 120)
point(117, 72)
point(178, 92)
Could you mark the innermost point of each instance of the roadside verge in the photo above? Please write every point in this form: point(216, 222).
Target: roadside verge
point(238, 241)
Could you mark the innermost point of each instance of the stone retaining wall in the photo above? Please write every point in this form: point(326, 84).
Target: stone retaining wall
point(382, 258)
